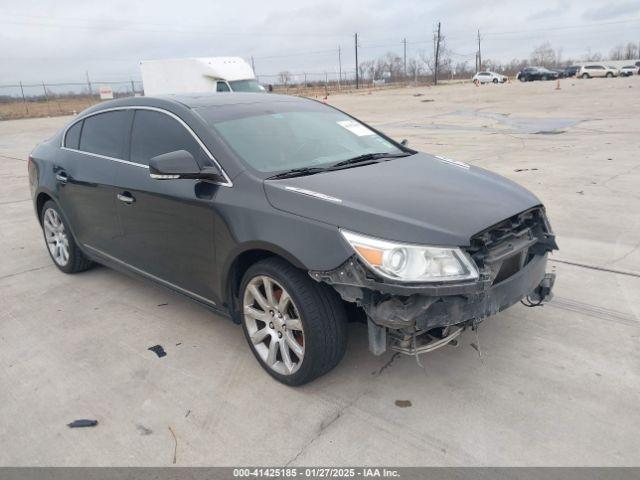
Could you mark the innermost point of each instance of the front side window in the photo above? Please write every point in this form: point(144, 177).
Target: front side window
point(72, 139)
point(222, 87)
point(155, 133)
point(106, 133)
point(310, 135)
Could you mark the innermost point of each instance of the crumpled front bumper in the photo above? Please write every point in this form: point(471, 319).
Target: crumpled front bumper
point(425, 307)
point(532, 280)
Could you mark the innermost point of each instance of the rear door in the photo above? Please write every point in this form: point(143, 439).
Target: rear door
point(86, 174)
point(167, 224)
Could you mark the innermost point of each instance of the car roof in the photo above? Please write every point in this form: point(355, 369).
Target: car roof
point(200, 100)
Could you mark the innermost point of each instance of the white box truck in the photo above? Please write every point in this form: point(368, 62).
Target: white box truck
point(198, 75)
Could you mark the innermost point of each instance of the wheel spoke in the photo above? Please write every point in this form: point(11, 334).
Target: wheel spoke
point(294, 345)
point(268, 290)
point(256, 314)
point(259, 298)
point(260, 335)
point(286, 358)
point(284, 301)
point(293, 324)
point(273, 352)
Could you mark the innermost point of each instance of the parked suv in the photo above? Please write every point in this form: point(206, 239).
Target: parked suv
point(279, 212)
point(597, 70)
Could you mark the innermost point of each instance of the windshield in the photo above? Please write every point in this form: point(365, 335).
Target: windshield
point(317, 136)
point(245, 86)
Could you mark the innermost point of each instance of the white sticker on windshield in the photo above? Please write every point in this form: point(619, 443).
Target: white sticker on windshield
point(356, 128)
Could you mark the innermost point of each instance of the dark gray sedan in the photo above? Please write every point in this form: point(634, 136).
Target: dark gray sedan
point(285, 214)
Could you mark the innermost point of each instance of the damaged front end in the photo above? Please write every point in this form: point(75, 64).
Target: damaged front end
point(415, 318)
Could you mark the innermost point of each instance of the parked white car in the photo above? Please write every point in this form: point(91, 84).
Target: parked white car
point(489, 77)
point(629, 70)
point(597, 70)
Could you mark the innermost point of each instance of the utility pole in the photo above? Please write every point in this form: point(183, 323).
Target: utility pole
point(404, 42)
point(24, 100)
point(253, 65)
point(479, 53)
point(435, 69)
point(89, 83)
point(339, 65)
point(357, 78)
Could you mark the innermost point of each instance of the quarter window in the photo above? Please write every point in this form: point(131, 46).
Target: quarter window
point(106, 133)
point(72, 139)
point(155, 133)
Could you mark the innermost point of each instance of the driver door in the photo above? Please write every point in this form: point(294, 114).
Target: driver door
point(167, 224)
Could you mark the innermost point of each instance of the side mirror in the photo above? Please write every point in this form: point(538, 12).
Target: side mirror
point(180, 164)
point(404, 143)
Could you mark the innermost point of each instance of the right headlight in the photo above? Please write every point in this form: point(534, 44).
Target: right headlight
point(412, 263)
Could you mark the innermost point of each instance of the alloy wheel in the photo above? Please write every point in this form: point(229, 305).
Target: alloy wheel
point(274, 325)
point(56, 237)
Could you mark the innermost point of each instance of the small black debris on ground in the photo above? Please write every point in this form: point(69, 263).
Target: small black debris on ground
point(163, 304)
point(403, 403)
point(158, 350)
point(188, 412)
point(83, 422)
point(426, 100)
point(144, 430)
point(525, 169)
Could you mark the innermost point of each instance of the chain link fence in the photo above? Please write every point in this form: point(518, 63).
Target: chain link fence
point(27, 100)
point(44, 99)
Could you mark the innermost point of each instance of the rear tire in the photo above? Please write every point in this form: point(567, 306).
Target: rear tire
point(62, 247)
point(295, 327)
point(495, 80)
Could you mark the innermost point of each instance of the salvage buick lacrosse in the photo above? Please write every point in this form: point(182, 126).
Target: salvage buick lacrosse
point(285, 214)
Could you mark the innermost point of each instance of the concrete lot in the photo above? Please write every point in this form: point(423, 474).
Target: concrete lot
point(558, 385)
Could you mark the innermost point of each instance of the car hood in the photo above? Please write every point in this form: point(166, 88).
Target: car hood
point(417, 199)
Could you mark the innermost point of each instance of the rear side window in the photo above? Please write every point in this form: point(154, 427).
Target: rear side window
point(155, 133)
point(72, 139)
point(222, 87)
point(106, 133)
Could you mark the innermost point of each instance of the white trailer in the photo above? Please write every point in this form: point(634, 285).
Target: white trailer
point(198, 75)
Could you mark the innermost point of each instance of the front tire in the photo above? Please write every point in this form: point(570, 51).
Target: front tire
point(609, 75)
point(585, 76)
point(295, 327)
point(62, 247)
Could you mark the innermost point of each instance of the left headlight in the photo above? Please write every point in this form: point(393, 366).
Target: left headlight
point(412, 263)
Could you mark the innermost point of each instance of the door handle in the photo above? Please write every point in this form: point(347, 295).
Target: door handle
point(62, 177)
point(126, 197)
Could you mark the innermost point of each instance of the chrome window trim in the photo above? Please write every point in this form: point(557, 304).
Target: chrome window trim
point(151, 276)
point(226, 183)
point(113, 159)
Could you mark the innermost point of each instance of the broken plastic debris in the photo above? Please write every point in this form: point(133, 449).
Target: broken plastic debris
point(83, 422)
point(158, 350)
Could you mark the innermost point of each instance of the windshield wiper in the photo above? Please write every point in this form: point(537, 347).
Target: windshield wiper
point(298, 172)
point(367, 157)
